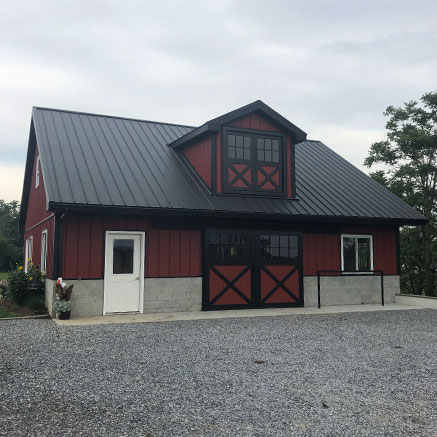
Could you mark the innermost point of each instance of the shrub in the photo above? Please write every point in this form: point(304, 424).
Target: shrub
point(61, 306)
point(17, 286)
point(22, 286)
point(36, 303)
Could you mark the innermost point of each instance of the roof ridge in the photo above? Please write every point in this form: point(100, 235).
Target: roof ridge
point(112, 116)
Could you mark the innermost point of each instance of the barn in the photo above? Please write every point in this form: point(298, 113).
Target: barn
point(241, 212)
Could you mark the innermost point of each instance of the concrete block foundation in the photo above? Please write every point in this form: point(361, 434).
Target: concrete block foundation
point(349, 290)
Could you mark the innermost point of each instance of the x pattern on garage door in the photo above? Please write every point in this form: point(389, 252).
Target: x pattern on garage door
point(252, 269)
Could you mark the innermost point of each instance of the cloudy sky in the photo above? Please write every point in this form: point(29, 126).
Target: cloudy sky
point(329, 66)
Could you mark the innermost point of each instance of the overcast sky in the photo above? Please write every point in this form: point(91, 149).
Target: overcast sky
point(330, 67)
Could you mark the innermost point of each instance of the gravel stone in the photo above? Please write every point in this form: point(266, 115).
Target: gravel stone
point(354, 374)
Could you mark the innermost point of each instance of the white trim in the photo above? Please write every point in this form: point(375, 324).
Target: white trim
point(43, 264)
point(28, 251)
point(356, 236)
point(37, 171)
point(142, 259)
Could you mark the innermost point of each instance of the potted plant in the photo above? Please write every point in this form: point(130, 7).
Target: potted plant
point(62, 306)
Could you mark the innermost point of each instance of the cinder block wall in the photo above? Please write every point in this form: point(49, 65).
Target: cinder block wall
point(160, 295)
point(350, 290)
point(172, 294)
point(50, 296)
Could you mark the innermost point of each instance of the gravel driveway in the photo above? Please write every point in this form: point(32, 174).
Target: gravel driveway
point(354, 374)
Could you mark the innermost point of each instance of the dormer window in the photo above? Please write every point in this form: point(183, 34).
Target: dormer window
point(253, 162)
point(37, 171)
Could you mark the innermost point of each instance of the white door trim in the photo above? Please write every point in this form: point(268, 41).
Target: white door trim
point(142, 259)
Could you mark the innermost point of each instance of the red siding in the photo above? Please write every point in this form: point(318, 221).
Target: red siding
point(323, 251)
point(199, 156)
point(254, 121)
point(169, 253)
point(320, 252)
point(384, 245)
point(38, 219)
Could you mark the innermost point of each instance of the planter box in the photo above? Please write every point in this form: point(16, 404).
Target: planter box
point(417, 301)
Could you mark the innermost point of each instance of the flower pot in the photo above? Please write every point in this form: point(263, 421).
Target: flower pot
point(65, 315)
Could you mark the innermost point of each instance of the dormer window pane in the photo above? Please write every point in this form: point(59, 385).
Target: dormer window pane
point(275, 156)
point(239, 154)
point(268, 155)
point(231, 152)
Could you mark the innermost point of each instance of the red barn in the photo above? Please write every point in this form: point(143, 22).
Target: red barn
point(241, 212)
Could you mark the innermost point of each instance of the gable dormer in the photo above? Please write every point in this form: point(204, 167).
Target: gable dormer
point(249, 151)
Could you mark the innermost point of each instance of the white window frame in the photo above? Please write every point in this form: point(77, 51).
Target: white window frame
point(37, 171)
point(356, 236)
point(44, 238)
point(28, 251)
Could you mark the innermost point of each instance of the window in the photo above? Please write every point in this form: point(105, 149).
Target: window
point(229, 247)
point(44, 250)
point(28, 252)
point(239, 147)
point(279, 247)
point(253, 162)
point(268, 149)
point(123, 256)
point(356, 253)
point(37, 171)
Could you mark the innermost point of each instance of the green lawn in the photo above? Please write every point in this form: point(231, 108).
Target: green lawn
point(5, 314)
point(3, 275)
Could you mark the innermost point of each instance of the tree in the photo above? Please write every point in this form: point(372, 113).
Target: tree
point(11, 240)
point(409, 154)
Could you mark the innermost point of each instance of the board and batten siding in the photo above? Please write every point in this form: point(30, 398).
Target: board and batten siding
point(38, 219)
point(323, 251)
point(169, 253)
point(198, 155)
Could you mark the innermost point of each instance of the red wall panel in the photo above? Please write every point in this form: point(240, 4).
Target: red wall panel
point(169, 253)
point(323, 251)
point(254, 121)
point(320, 252)
point(38, 219)
point(199, 156)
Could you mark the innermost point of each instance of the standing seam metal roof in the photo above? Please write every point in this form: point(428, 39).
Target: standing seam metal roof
point(100, 160)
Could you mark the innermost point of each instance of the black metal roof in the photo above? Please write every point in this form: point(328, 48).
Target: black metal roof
point(104, 162)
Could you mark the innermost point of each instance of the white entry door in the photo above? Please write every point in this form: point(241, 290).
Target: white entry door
point(124, 272)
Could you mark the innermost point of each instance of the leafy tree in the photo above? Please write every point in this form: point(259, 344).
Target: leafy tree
point(409, 154)
point(11, 240)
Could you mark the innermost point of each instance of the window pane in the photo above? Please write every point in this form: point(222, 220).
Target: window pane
point(246, 153)
point(214, 239)
point(268, 143)
point(283, 252)
point(239, 141)
point(260, 142)
point(349, 254)
point(275, 156)
point(123, 256)
point(231, 140)
point(274, 251)
point(364, 254)
point(231, 152)
point(283, 240)
point(274, 240)
point(246, 142)
point(268, 155)
point(239, 154)
point(275, 145)
point(260, 155)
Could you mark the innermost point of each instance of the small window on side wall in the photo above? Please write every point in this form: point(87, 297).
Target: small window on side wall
point(44, 250)
point(37, 172)
point(28, 252)
point(356, 253)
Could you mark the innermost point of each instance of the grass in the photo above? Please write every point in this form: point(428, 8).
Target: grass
point(3, 275)
point(4, 314)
